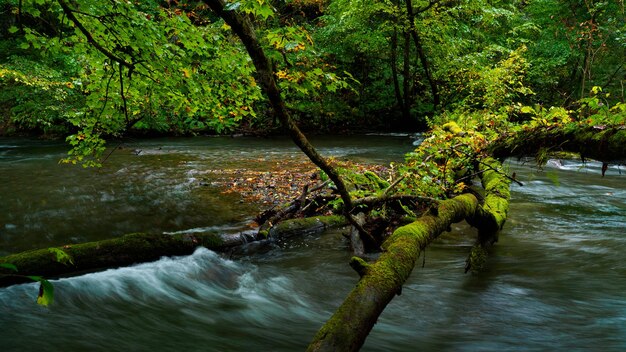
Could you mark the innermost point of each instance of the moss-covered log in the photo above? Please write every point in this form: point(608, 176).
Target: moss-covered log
point(347, 329)
point(91, 256)
point(142, 247)
point(491, 214)
point(607, 144)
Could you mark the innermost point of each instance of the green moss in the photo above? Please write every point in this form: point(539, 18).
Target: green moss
point(477, 258)
point(494, 211)
point(468, 202)
point(115, 252)
point(377, 181)
point(384, 279)
point(359, 265)
point(498, 208)
point(211, 241)
point(453, 128)
point(417, 231)
point(608, 144)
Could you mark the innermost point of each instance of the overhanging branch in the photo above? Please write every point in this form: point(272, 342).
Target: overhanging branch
point(602, 143)
point(243, 28)
point(70, 15)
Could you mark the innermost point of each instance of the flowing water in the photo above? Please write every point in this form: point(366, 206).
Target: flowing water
point(556, 280)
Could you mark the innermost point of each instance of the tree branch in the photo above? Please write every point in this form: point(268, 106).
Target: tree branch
point(420, 51)
point(70, 15)
point(243, 28)
point(125, 106)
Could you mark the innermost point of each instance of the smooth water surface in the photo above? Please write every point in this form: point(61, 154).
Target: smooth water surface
point(556, 280)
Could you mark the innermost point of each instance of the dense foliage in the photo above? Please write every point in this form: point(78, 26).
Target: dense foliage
point(97, 69)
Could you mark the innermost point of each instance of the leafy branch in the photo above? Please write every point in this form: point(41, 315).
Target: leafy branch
point(70, 15)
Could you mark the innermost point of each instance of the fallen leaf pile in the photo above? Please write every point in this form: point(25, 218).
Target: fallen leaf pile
point(277, 182)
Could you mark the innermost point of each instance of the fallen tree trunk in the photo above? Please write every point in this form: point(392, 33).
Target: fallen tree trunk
point(491, 215)
point(602, 143)
point(141, 247)
point(349, 326)
point(347, 329)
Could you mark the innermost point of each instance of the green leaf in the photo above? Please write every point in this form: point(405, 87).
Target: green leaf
point(265, 11)
point(13, 29)
point(46, 291)
point(61, 256)
point(8, 266)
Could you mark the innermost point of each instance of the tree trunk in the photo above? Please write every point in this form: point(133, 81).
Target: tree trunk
point(491, 215)
point(349, 326)
point(602, 143)
point(243, 28)
point(422, 55)
point(406, 73)
point(347, 329)
point(141, 247)
point(394, 70)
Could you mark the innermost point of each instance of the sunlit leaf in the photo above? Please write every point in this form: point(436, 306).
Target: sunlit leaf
point(46, 291)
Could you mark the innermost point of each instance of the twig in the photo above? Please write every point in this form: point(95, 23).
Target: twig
point(489, 166)
point(374, 200)
point(393, 185)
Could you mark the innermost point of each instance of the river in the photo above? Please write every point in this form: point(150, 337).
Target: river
point(556, 280)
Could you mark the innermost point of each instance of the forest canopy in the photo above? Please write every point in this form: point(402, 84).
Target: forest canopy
point(91, 69)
